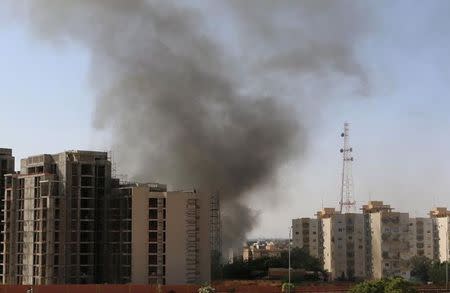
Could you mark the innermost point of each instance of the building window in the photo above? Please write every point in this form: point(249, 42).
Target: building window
point(153, 202)
point(153, 214)
point(153, 248)
point(152, 237)
point(153, 225)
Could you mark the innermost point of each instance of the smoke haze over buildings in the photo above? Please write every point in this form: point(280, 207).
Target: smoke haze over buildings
point(200, 94)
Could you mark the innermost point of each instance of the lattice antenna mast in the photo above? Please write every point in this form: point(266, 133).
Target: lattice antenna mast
point(347, 202)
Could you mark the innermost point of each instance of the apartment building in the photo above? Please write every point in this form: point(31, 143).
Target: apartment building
point(343, 244)
point(387, 235)
point(441, 221)
point(54, 210)
point(306, 234)
point(6, 167)
point(421, 237)
point(160, 237)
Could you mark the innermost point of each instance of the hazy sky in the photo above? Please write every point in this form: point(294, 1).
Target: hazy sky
point(399, 132)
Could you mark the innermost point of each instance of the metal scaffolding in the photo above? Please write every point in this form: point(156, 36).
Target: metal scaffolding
point(215, 224)
point(192, 241)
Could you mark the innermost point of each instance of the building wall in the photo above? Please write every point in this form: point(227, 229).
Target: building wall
point(443, 230)
point(305, 234)
point(421, 237)
point(344, 249)
point(140, 235)
point(188, 238)
point(390, 244)
point(328, 254)
point(170, 233)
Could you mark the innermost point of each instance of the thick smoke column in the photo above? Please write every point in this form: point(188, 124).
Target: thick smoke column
point(193, 102)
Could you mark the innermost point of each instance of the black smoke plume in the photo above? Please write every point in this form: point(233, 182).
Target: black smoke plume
point(201, 93)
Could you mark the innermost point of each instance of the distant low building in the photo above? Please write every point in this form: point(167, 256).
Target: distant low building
point(261, 249)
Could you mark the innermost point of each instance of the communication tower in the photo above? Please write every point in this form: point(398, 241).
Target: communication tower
point(347, 203)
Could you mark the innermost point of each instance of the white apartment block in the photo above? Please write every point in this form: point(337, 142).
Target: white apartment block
point(344, 245)
point(306, 235)
point(441, 220)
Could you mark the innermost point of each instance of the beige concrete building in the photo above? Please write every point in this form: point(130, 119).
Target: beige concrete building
point(421, 237)
point(388, 238)
point(306, 234)
point(441, 222)
point(343, 244)
point(162, 237)
point(375, 244)
point(54, 210)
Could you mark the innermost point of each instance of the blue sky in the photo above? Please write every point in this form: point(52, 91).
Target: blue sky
point(400, 132)
point(45, 95)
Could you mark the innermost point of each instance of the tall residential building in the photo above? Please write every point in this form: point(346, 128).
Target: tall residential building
point(159, 236)
point(441, 221)
point(306, 234)
point(6, 167)
point(343, 244)
point(421, 237)
point(388, 239)
point(54, 219)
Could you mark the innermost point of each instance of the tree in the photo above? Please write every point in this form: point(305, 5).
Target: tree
point(238, 270)
point(437, 272)
point(399, 285)
point(216, 266)
point(420, 268)
point(395, 285)
point(300, 259)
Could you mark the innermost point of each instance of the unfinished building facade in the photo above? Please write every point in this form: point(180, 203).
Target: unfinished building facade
point(160, 237)
point(54, 219)
point(6, 167)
